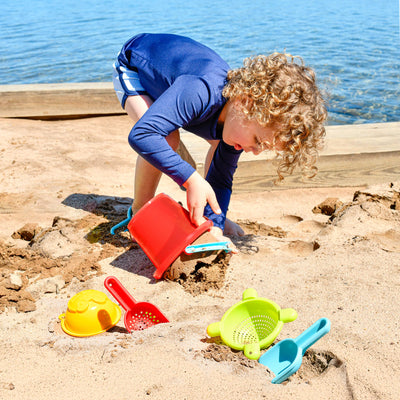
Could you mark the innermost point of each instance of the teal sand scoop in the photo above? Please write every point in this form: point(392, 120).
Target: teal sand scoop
point(285, 358)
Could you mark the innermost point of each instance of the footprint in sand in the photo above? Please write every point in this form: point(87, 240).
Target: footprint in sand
point(300, 248)
point(291, 219)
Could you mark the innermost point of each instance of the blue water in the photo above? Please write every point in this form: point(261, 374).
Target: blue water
point(354, 46)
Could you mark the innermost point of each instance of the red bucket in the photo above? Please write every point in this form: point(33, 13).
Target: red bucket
point(163, 230)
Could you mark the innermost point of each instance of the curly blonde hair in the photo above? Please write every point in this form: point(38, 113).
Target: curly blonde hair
point(281, 92)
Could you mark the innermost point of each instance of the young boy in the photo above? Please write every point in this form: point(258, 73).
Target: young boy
point(166, 82)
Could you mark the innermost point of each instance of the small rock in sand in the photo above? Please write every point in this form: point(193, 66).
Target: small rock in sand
point(15, 281)
point(328, 206)
point(27, 232)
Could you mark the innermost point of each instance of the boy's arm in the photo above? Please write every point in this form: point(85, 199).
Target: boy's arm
point(175, 108)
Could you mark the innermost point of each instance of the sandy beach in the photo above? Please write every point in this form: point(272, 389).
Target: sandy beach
point(325, 249)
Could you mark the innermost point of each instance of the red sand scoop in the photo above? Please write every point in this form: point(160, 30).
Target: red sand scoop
point(138, 316)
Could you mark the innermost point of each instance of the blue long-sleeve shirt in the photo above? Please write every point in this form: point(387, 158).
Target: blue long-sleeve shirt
point(185, 80)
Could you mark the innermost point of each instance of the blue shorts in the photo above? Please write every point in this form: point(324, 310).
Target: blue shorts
point(126, 83)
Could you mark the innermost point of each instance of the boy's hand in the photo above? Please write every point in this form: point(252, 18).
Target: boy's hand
point(198, 193)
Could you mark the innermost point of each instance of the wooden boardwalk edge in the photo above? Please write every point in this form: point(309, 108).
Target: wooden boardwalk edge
point(58, 100)
point(347, 170)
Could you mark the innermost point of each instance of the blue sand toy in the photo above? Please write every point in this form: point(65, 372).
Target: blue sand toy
point(285, 358)
point(125, 222)
point(198, 248)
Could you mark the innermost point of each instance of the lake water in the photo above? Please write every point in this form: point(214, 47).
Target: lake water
point(354, 46)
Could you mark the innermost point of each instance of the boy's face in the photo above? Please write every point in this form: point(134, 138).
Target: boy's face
point(246, 135)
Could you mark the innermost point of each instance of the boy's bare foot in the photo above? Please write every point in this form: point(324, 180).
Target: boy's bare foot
point(232, 228)
point(219, 236)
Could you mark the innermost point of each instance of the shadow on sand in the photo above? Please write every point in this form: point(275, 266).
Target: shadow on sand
point(111, 210)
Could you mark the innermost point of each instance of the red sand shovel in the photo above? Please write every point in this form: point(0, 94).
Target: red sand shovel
point(138, 316)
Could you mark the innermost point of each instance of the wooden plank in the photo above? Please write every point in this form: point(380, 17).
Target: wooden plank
point(58, 100)
point(362, 138)
point(334, 170)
